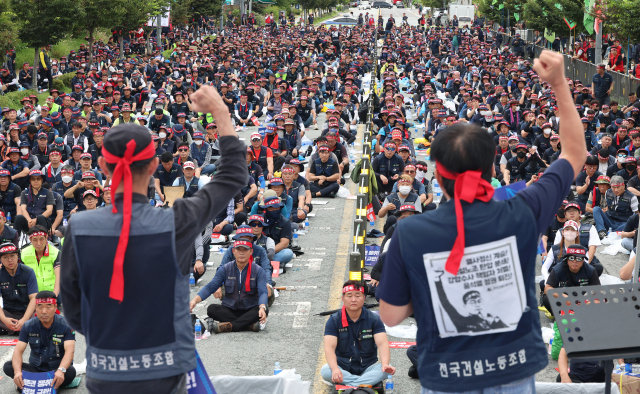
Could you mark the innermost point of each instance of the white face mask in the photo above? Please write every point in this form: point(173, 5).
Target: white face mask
point(162, 135)
point(518, 108)
point(198, 142)
point(420, 175)
point(547, 131)
point(569, 235)
point(404, 189)
point(24, 152)
point(67, 179)
point(622, 160)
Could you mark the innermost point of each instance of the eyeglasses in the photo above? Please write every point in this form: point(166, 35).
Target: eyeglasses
point(409, 172)
point(255, 224)
point(390, 148)
point(183, 150)
point(255, 139)
point(576, 258)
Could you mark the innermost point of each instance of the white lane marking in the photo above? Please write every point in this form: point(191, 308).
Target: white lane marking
point(316, 248)
point(300, 316)
point(312, 264)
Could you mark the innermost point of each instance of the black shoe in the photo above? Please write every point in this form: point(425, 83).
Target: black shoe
point(413, 372)
point(271, 298)
point(602, 234)
point(254, 327)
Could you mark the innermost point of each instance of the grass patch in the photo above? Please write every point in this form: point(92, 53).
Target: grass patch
point(324, 17)
point(12, 100)
point(26, 54)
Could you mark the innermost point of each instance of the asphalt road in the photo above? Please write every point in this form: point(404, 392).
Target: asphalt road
point(294, 335)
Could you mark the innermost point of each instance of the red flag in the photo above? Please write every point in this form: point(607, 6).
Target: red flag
point(370, 215)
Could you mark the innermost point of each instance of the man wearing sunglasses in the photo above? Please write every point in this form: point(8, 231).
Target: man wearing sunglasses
point(573, 272)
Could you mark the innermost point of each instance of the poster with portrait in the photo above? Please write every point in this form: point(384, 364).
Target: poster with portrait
point(487, 296)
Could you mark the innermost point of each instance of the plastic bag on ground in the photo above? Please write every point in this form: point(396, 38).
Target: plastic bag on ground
point(614, 248)
point(402, 331)
point(286, 382)
point(547, 334)
point(611, 238)
point(609, 280)
point(343, 192)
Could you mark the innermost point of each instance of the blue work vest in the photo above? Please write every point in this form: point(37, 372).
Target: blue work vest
point(326, 169)
point(236, 297)
point(395, 200)
point(621, 212)
point(118, 334)
point(356, 350)
point(482, 359)
point(46, 354)
point(68, 202)
point(582, 277)
point(199, 153)
point(192, 188)
point(9, 203)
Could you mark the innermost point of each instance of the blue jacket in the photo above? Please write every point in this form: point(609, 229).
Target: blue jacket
point(223, 276)
point(259, 257)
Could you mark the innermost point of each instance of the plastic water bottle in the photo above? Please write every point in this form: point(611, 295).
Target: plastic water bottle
point(372, 224)
point(192, 282)
point(437, 192)
point(352, 158)
point(9, 218)
point(610, 231)
point(635, 369)
point(306, 225)
point(550, 345)
point(388, 386)
point(198, 328)
point(295, 238)
point(277, 369)
point(64, 221)
point(244, 127)
point(222, 251)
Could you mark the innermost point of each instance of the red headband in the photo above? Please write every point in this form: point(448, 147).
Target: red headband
point(469, 187)
point(38, 233)
point(344, 310)
point(46, 301)
point(576, 251)
point(123, 170)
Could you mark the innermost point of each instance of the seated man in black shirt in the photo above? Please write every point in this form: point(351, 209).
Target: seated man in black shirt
point(324, 174)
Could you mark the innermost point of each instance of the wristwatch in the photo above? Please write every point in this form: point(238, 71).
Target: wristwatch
point(263, 307)
point(64, 370)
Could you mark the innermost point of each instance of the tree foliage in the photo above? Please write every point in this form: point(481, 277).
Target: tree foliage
point(550, 14)
point(41, 21)
point(186, 11)
point(8, 29)
point(620, 17)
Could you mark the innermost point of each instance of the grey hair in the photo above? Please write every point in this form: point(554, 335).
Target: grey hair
point(617, 179)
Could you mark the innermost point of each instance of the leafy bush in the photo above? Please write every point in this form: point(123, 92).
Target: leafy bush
point(12, 100)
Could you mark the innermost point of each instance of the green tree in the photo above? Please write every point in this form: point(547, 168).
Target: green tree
point(8, 29)
point(97, 14)
point(131, 14)
point(620, 17)
point(551, 14)
point(42, 23)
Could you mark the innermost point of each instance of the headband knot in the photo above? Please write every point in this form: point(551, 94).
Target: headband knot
point(469, 187)
point(123, 170)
